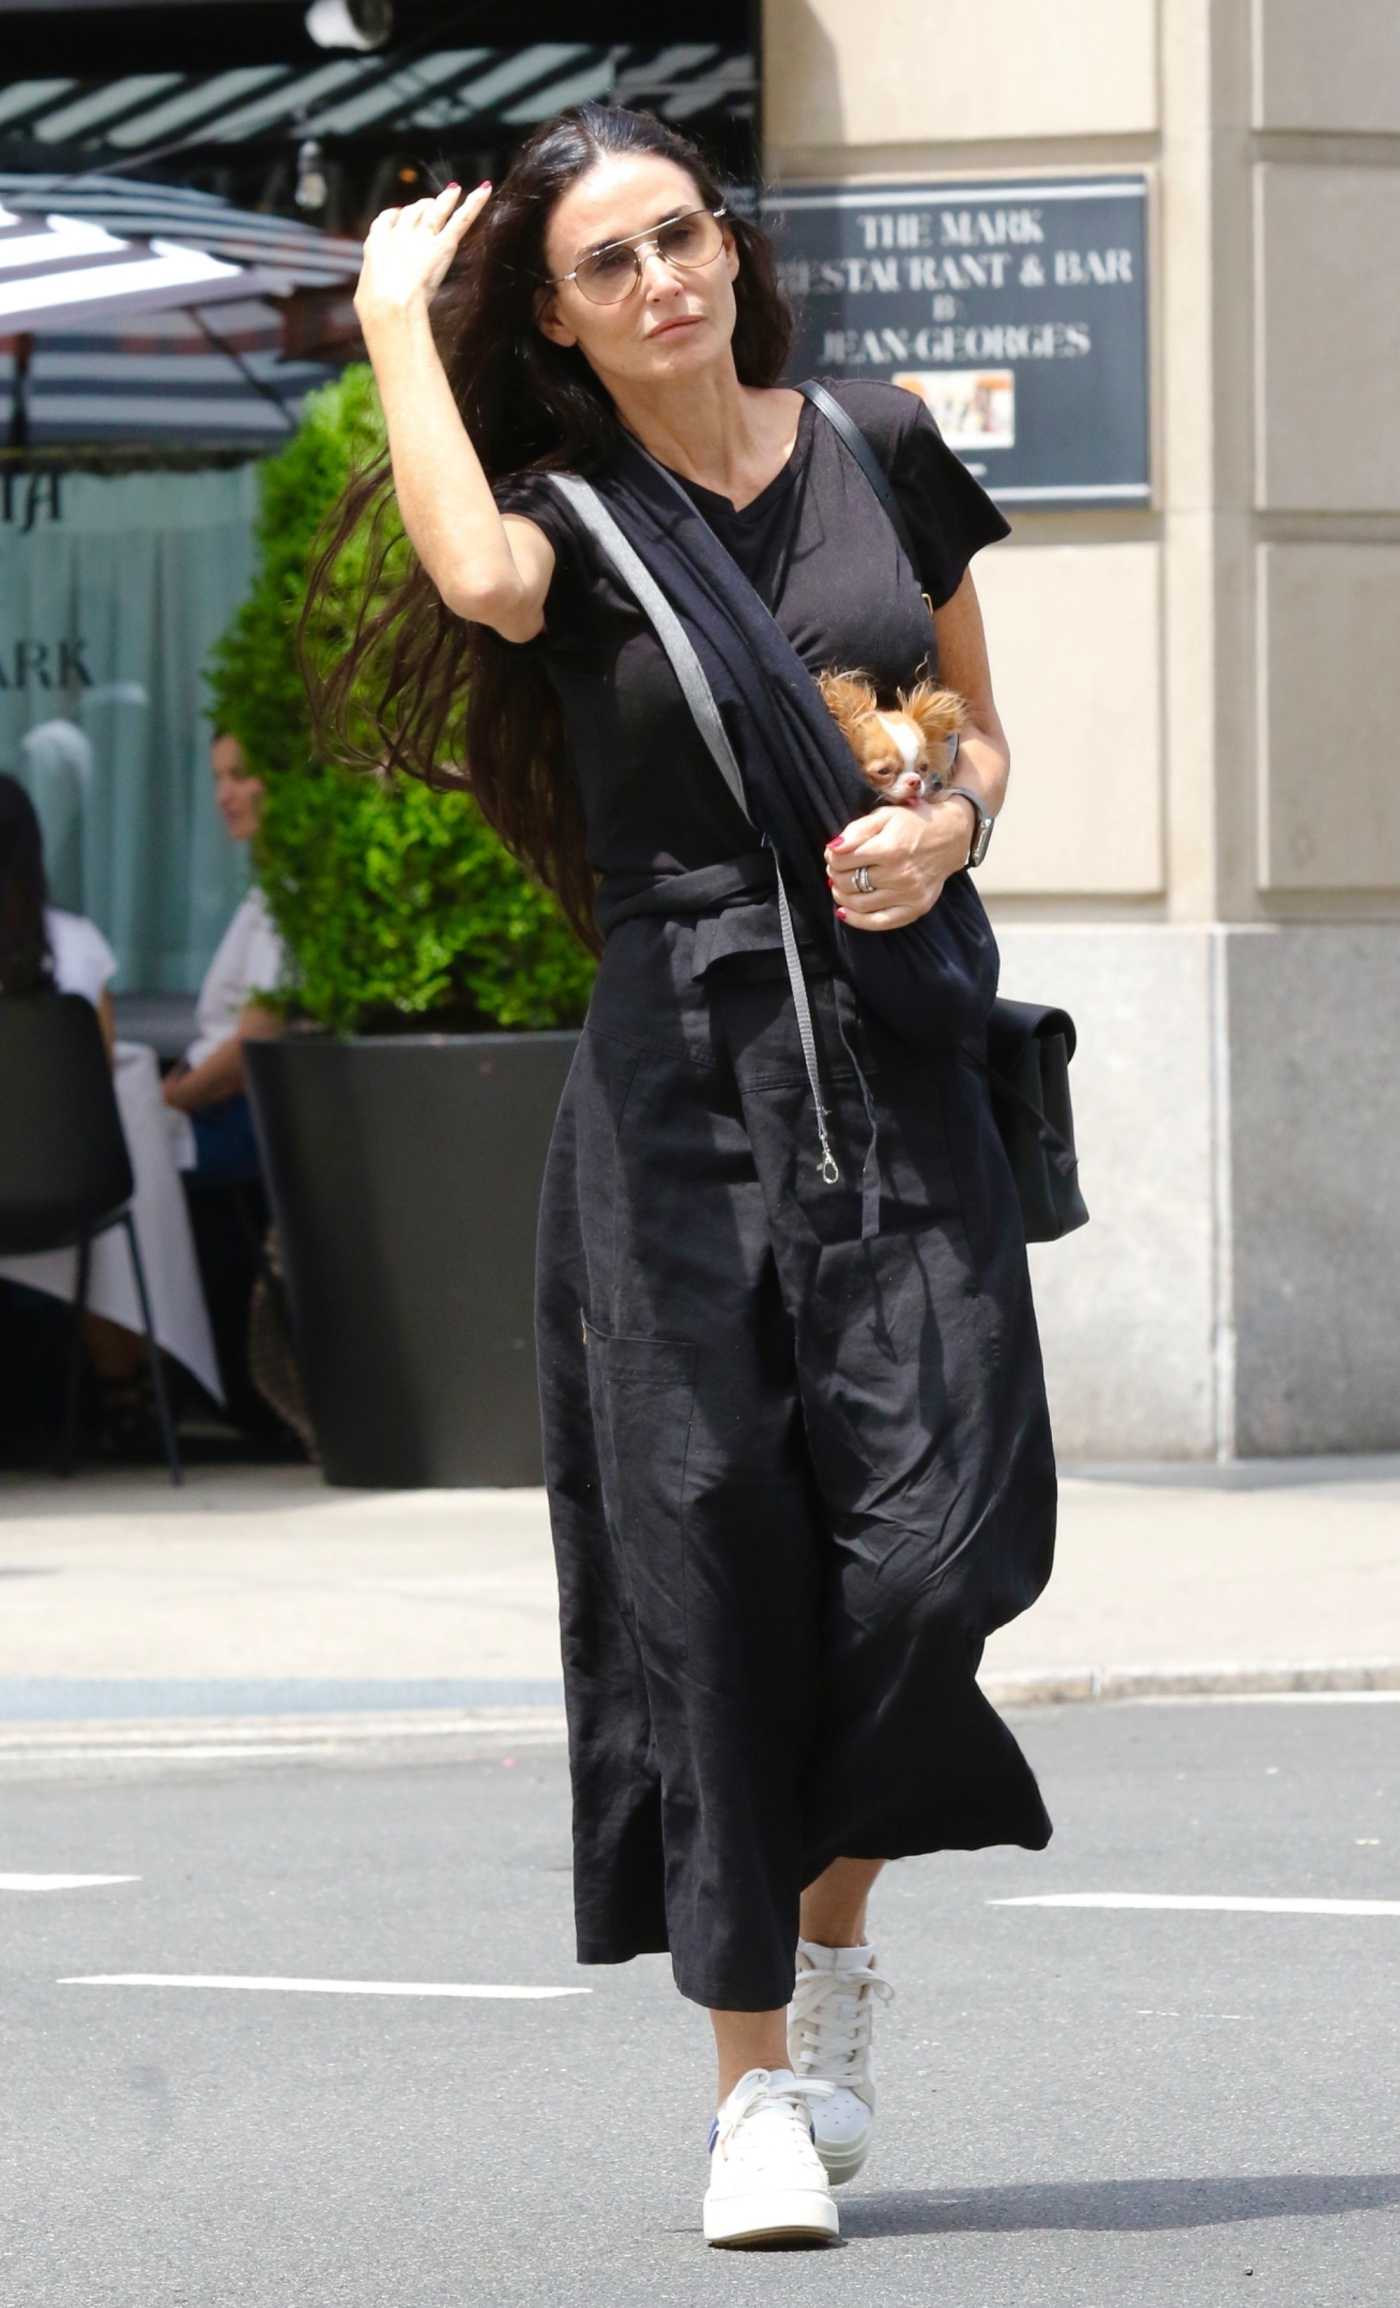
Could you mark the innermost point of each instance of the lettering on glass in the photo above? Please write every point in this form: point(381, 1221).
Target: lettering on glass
point(25, 498)
point(27, 663)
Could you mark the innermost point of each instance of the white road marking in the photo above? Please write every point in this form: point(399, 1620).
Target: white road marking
point(221, 1740)
point(1205, 1901)
point(221, 1754)
point(1147, 2011)
point(310, 1986)
point(59, 1882)
point(1382, 1696)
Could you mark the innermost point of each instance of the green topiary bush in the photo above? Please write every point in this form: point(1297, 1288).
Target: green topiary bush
point(398, 906)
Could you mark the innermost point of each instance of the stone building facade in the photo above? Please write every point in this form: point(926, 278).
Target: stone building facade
point(1201, 850)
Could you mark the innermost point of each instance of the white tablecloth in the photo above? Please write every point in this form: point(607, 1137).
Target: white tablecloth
point(162, 1229)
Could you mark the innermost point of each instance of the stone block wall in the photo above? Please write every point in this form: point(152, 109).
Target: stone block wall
point(1201, 849)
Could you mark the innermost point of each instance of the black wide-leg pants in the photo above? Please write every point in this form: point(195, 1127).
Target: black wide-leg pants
point(795, 1477)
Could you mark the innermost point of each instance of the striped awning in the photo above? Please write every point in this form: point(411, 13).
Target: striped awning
point(482, 89)
point(101, 247)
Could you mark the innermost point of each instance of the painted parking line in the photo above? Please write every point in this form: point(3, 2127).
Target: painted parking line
point(311, 1986)
point(60, 1882)
point(1210, 1902)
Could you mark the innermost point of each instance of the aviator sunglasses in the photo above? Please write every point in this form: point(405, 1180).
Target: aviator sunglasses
point(607, 275)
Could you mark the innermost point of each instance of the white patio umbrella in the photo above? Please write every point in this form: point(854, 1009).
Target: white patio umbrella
point(100, 247)
point(128, 333)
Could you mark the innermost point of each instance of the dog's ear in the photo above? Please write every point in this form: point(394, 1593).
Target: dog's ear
point(849, 699)
point(935, 712)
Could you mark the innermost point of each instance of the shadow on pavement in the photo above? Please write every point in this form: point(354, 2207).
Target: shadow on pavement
point(1120, 2205)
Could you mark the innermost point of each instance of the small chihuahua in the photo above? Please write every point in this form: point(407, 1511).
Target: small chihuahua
point(905, 752)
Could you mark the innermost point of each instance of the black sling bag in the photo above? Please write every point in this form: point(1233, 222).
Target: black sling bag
point(1029, 1044)
point(1028, 1047)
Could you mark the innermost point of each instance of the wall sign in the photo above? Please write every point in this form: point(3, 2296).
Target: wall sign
point(1017, 308)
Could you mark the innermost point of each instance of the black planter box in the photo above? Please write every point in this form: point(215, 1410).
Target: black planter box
point(404, 1175)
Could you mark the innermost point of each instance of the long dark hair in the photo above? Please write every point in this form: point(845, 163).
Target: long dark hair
point(26, 963)
point(525, 403)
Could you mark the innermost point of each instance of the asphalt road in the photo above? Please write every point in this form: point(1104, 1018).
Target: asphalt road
point(1081, 2107)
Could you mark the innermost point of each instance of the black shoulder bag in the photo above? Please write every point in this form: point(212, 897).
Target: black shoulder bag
point(1029, 1044)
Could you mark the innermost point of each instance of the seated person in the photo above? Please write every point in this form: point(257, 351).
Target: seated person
point(44, 949)
point(207, 1094)
point(41, 946)
point(208, 1085)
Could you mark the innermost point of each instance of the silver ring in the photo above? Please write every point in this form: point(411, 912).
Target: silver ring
point(862, 880)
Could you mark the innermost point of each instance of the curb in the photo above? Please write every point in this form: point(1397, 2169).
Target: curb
point(506, 1729)
point(1069, 1685)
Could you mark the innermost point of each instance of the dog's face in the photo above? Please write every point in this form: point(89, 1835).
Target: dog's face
point(899, 751)
point(893, 756)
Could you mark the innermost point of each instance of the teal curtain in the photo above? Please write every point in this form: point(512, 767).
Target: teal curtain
point(112, 593)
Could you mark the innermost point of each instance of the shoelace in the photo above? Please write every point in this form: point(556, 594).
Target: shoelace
point(761, 2097)
point(832, 2014)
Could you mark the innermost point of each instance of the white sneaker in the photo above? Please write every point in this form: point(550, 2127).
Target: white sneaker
point(767, 2185)
point(829, 2023)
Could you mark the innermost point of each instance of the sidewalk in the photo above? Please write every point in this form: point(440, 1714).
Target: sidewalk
point(259, 1593)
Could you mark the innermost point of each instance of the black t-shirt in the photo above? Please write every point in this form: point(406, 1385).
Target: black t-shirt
point(821, 553)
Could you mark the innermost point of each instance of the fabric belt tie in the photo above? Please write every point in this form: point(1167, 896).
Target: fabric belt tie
point(621, 895)
point(720, 889)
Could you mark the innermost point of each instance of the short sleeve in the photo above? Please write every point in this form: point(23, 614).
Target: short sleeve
point(83, 962)
point(565, 604)
point(949, 514)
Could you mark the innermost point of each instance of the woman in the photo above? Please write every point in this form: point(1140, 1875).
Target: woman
point(56, 769)
point(211, 1118)
point(795, 1472)
point(208, 1085)
point(42, 946)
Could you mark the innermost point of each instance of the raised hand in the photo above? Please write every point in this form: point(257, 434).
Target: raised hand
point(408, 252)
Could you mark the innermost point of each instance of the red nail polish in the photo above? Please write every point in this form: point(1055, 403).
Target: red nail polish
point(836, 842)
point(840, 913)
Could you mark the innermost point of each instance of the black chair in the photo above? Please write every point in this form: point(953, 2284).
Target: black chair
point(65, 1172)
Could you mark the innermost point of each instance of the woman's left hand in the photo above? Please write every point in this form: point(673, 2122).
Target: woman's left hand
point(909, 850)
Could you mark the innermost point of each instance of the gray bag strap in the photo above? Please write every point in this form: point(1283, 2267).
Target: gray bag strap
point(670, 632)
point(696, 690)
